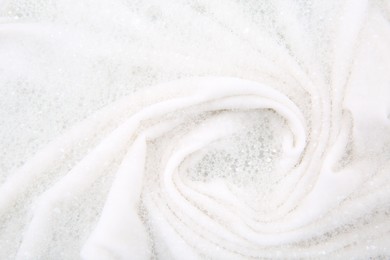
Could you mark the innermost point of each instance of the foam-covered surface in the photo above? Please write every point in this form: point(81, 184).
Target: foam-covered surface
point(194, 129)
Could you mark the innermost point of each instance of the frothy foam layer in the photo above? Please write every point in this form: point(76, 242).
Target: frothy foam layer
point(276, 145)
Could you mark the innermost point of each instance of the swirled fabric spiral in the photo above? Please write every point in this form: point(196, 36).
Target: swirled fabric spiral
point(195, 129)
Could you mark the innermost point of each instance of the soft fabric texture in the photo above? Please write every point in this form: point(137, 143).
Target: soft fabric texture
point(194, 129)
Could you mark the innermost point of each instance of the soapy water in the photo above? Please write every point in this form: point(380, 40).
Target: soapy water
point(194, 129)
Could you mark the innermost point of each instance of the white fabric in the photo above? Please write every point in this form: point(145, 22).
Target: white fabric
point(274, 145)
